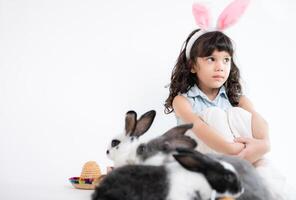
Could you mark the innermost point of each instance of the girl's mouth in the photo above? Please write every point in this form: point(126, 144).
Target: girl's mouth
point(218, 77)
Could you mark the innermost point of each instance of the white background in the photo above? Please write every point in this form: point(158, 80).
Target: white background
point(69, 71)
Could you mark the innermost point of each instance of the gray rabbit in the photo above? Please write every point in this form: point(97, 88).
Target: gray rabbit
point(254, 187)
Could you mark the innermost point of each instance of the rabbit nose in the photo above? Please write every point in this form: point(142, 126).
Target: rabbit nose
point(107, 152)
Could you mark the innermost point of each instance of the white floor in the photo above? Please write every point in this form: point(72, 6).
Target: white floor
point(44, 191)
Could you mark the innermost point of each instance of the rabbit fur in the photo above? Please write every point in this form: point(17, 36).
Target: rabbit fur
point(163, 178)
point(142, 182)
point(122, 149)
point(158, 151)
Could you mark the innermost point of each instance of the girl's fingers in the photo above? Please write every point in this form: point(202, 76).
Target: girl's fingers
point(242, 154)
point(242, 140)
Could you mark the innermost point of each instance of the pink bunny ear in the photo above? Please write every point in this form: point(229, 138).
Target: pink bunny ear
point(232, 13)
point(201, 16)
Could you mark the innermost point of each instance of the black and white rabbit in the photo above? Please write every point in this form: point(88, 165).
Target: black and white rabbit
point(123, 147)
point(255, 187)
point(153, 153)
point(170, 181)
point(158, 151)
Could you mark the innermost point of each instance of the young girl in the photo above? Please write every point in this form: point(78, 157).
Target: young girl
point(205, 90)
point(209, 78)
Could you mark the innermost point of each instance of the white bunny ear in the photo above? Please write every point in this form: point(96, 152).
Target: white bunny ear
point(201, 15)
point(232, 13)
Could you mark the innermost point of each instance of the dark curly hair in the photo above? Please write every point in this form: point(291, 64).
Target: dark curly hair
point(182, 79)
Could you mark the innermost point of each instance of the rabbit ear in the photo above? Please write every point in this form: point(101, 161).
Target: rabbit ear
point(201, 15)
point(171, 144)
point(196, 161)
point(174, 138)
point(177, 131)
point(130, 122)
point(144, 123)
point(232, 13)
point(168, 142)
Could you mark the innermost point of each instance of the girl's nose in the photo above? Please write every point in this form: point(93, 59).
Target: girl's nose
point(219, 67)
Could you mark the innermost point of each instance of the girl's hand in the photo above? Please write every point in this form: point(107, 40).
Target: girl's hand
point(254, 148)
point(235, 148)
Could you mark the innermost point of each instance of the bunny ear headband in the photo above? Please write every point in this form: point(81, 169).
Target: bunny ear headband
point(228, 17)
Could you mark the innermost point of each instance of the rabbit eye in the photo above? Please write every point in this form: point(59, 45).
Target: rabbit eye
point(141, 149)
point(229, 177)
point(114, 143)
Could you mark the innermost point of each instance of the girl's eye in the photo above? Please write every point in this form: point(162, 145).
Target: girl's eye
point(210, 59)
point(114, 143)
point(226, 60)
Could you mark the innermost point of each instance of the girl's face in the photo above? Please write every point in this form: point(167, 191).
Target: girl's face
point(212, 71)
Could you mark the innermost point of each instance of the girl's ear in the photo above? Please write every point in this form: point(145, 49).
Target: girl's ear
point(193, 67)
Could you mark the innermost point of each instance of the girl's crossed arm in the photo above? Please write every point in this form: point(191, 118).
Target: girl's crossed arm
point(204, 132)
